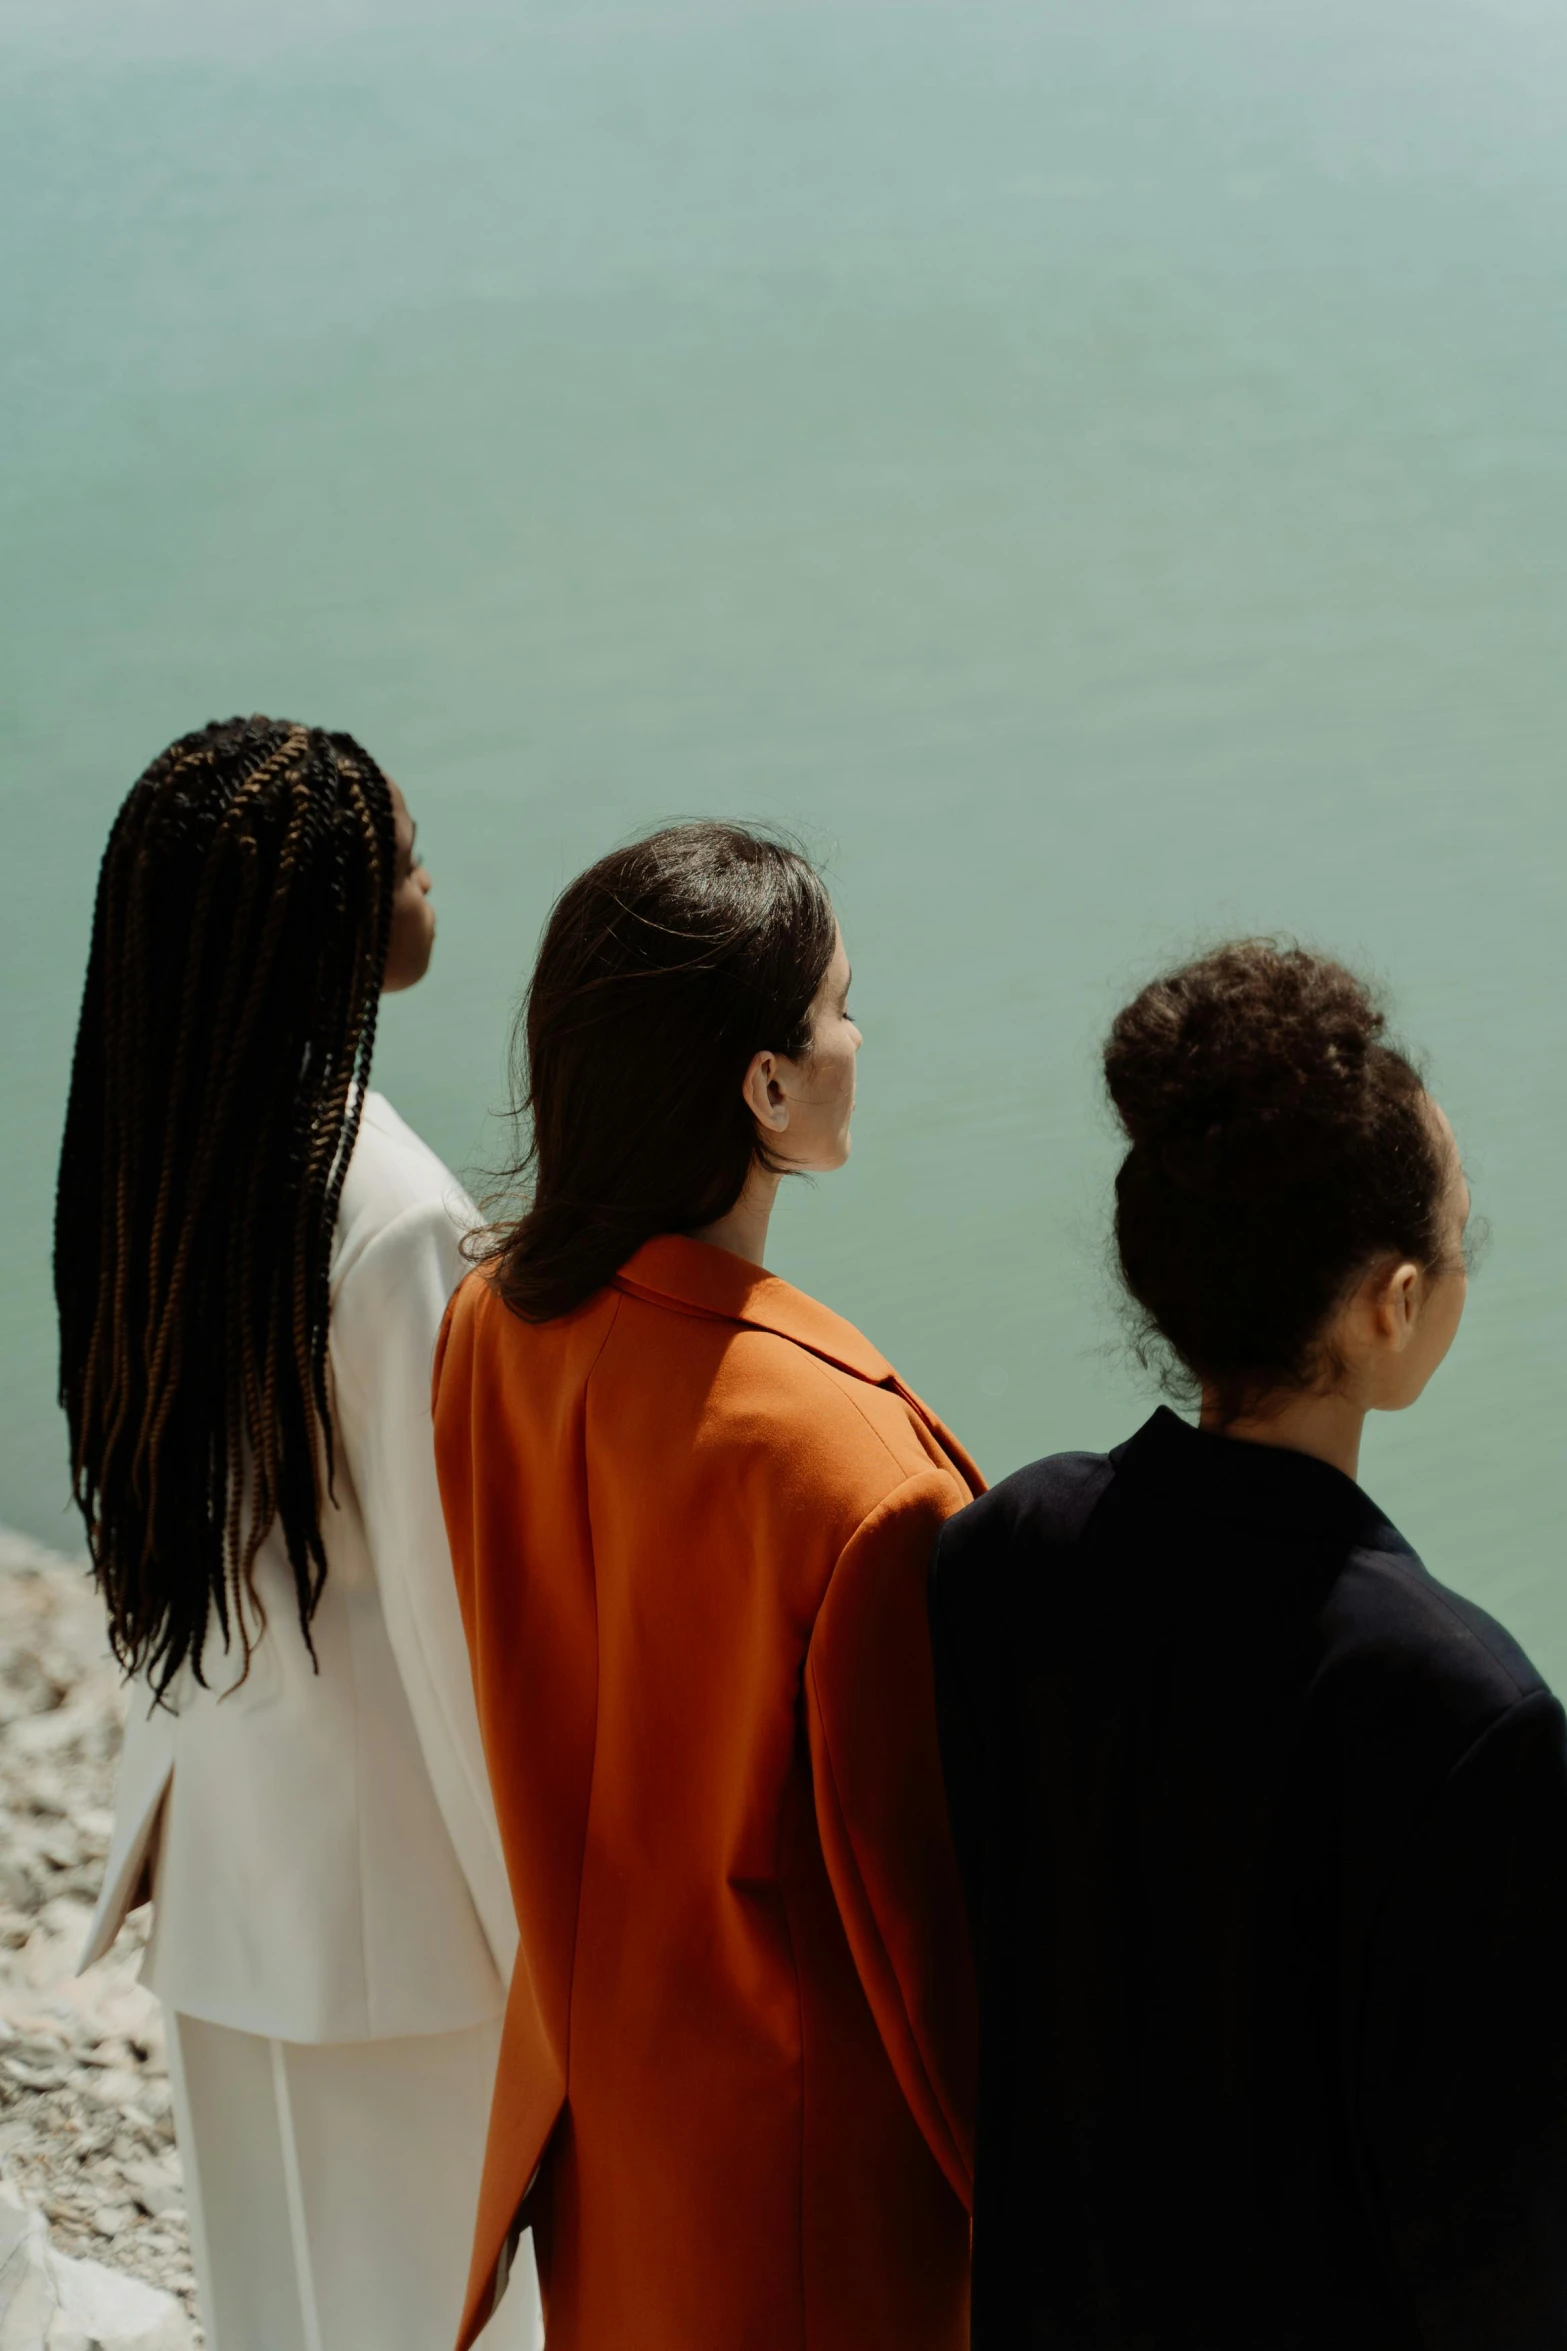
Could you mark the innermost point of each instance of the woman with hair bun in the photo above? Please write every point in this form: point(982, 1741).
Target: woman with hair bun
point(1263, 1832)
point(691, 1515)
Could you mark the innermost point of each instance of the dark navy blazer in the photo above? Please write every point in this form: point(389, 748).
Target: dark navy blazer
point(1264, 1840)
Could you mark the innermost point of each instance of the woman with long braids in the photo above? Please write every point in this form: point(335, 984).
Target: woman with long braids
point(253, 1255)
point(691, 1512)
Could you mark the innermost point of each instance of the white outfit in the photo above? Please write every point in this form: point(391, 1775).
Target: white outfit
point(332, 1927)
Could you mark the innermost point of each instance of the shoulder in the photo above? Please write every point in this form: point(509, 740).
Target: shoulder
point(766, 1412)
point(489, 1352)
point(466, 1329)
point(1401, 1646)
point(395, 1180)
point(394, 1165)
point(1049, 1502)
point(816, 1398)
point(860, 1436)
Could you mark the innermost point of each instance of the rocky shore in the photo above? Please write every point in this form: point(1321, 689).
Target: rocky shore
point(86, 2136)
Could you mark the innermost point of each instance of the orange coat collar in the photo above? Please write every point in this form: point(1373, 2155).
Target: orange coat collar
point(696, 1278)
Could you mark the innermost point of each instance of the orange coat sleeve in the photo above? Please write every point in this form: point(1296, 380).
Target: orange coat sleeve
point(882, 1816)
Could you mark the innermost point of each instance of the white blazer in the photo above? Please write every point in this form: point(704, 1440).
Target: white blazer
point(327, 1863)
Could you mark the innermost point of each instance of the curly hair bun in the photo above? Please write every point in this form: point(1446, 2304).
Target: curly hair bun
point(1279, 1143)
point(1248, 1070)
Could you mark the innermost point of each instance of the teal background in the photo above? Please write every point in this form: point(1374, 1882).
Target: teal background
point(1098, 472)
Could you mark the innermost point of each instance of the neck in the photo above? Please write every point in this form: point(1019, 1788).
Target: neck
point(743, 1231)
point(1326, 1427)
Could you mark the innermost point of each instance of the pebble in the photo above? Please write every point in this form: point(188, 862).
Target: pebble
point(86, 2132)
point(49, 2302)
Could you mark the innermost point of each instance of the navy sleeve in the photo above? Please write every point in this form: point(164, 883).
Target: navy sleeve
point(1464, 2065)
point(965, 1701)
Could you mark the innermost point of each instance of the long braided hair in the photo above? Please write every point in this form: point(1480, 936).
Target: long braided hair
point(238, 947)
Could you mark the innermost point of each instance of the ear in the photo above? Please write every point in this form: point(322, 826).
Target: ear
point(1395, 1297)
point(764, 1096)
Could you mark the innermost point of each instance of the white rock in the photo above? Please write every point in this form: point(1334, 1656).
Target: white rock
point(48, 2303)
point(110, 2219)
point(156, 2186)
point(111, 2086)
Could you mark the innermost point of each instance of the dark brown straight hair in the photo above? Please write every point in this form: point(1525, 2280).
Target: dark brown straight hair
point(227, 1024)
point(663, 970)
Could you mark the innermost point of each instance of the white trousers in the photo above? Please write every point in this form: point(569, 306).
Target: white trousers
point(332, 2189)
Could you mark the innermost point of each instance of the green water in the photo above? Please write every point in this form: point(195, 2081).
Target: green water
point(1099, 471)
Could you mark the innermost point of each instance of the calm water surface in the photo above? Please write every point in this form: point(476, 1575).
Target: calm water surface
point(1099, 473)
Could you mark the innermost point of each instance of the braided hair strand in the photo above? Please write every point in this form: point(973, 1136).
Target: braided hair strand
point(228, 1021)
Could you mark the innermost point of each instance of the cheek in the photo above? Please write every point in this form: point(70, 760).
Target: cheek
point(413, 932)
point(1449, 1314)
point(1460, 1301)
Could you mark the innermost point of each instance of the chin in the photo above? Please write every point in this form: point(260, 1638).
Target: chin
point(398, 982)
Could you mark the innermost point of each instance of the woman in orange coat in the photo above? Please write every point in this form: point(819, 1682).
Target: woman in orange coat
point(691, 1513)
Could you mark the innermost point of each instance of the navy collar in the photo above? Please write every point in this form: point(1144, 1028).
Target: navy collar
point(1226, 1477)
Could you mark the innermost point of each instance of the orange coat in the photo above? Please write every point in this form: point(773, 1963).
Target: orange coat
point(691, 1524)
